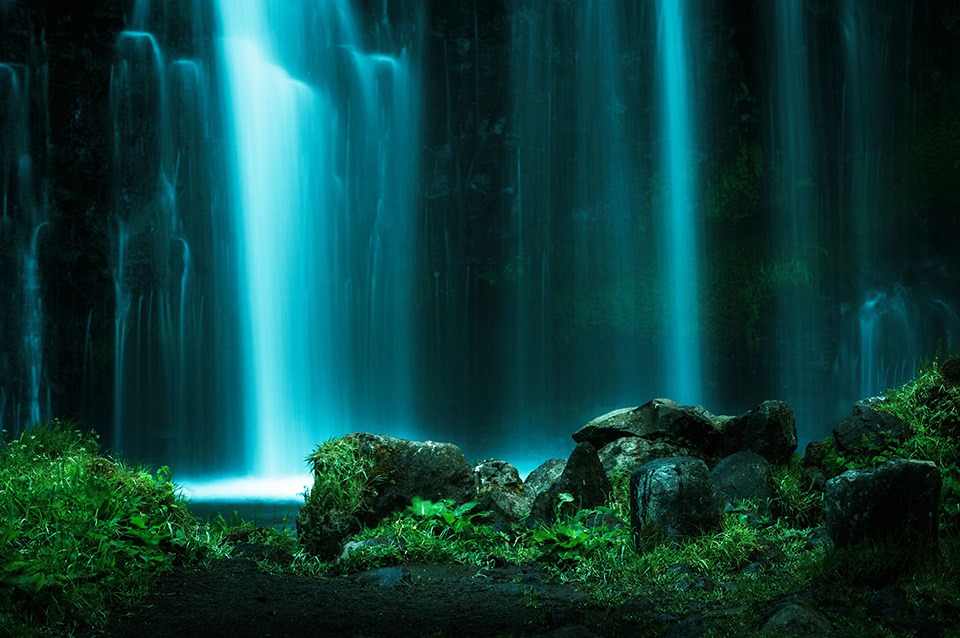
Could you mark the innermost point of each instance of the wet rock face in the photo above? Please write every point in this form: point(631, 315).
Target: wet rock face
point(628, 453)
point(496, 472)
point(899, 499)
point(583, 478)
point(672, 498)
point(741, 476)
point(769, 430)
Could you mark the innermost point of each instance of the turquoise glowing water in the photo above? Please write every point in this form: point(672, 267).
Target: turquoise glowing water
point(322, 186)
point(682, 364)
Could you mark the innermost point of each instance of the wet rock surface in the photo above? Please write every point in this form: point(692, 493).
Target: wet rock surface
point(741, 476)
point(899, 499)
point(672, 498)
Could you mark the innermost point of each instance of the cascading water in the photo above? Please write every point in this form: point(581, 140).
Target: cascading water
point(796, 252)
point(323, 139)
point(171, 336)
point(870, 44)
point(21, 225)
point(683, 353)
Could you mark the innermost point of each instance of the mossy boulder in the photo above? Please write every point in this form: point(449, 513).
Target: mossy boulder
point(743, 476)
point(403, 469)
point(630, 452)
point(673, 498)
point(897, 500)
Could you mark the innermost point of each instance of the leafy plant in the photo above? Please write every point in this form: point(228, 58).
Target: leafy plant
point(571, 539)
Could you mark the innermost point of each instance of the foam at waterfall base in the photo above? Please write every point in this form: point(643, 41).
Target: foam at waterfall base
point(246, 488)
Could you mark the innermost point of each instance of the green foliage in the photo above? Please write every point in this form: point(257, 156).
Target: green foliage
point(342, 478)
point(428, 532)
point(797, 503)
point(574, 540)
point(930, 409)
point(81, 533)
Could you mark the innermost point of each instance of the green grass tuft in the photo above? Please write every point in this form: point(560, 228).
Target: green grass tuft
point(81, 533)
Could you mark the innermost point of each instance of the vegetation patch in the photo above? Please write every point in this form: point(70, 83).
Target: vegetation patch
point(81, 534)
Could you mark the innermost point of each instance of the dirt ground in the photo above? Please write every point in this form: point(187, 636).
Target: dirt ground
point(233, 598)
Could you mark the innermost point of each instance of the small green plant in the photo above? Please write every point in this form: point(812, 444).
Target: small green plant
point(571, 538)
point(796, 502)
point(455, 517)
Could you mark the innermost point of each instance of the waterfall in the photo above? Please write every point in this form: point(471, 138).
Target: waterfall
point(322, 141)
point(682, 363)
point(797, 247)
point(169, 377)
point(22, 218)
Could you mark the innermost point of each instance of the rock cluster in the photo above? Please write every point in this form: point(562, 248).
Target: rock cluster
point(684, 464)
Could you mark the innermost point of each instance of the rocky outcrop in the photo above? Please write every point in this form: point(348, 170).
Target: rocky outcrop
point(628, 453)
point(583, 479)
point(899, 499)
point(500, 507)
point(672, 498)
point(661, 419)
point(743, 476)
point(768, 429)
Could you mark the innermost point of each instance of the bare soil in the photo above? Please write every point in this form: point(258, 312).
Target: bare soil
point(234, 598)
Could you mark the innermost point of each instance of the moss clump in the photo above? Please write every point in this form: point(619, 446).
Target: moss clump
point(342, 487)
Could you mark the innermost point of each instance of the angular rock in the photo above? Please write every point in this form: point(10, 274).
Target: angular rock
point(496, 472)
point(816, 453)
point(743, 476)
point(628, 453)
point(501, 506)
point(768, 429)
point(543, 477)
point(583, 478)
point(660, 419)
point(899, 499)
point(867, 428)
point(870, 403)
point(672, 498)
point(404, 469)
point(792, 619)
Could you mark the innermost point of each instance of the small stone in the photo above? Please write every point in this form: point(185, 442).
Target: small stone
point(384, 577)
point(792, 619)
